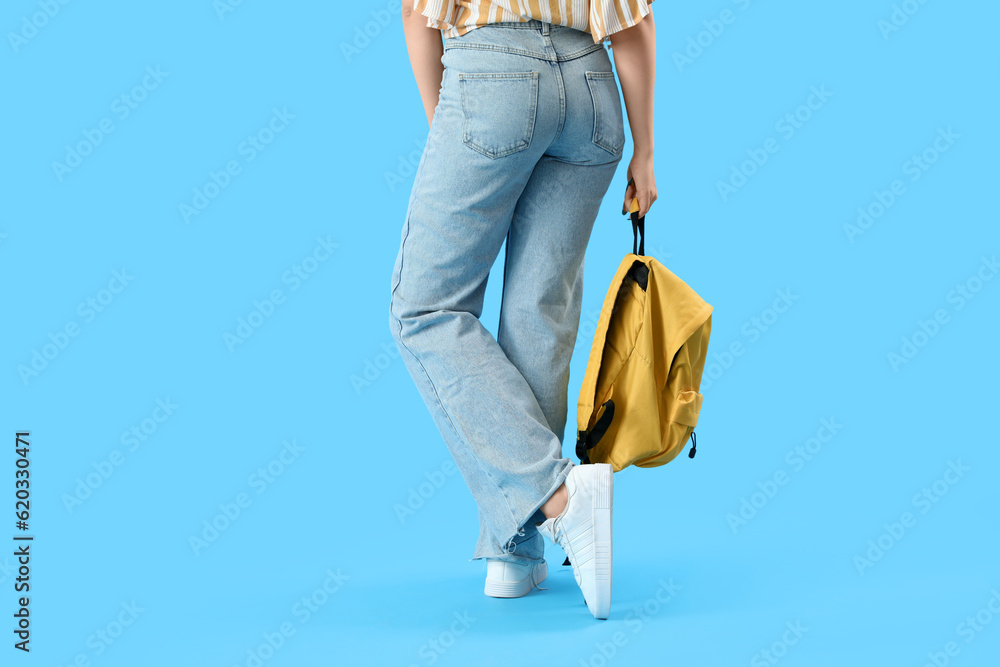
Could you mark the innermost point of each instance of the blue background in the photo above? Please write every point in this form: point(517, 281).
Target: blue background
point(321, 371)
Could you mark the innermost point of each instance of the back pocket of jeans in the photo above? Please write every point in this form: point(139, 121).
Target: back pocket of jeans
point(499, 111)
point(609, 127)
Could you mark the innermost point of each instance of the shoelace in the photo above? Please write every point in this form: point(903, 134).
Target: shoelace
point(536, 582)
point(511, 546)
point(559, 532)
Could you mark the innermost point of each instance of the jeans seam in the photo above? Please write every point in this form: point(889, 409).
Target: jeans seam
point(562, 101)
point(523, 52)
point(503, 286)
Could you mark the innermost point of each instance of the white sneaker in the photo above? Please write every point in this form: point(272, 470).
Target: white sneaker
point(583, 530)
point(505, 579)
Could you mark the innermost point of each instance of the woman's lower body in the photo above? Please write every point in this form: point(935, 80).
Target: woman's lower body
point(524, 143)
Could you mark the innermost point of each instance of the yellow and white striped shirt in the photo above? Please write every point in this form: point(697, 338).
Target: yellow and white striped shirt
point(600, 18)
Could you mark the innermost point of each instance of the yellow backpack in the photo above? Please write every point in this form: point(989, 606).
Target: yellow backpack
point(639, 403)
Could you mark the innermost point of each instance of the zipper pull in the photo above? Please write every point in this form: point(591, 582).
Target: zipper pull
point(694, 446)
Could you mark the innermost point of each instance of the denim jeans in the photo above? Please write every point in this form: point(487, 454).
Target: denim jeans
point(525, 140)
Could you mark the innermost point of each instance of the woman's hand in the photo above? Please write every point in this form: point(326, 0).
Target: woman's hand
point(642, 183)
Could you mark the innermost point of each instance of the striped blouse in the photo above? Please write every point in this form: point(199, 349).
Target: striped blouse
point(600, 18)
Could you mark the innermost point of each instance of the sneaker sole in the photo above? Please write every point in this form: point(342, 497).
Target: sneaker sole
point(516, 589)
point(602, 501)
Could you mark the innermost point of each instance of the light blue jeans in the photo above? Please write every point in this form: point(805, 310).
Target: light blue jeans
point(524, 142)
